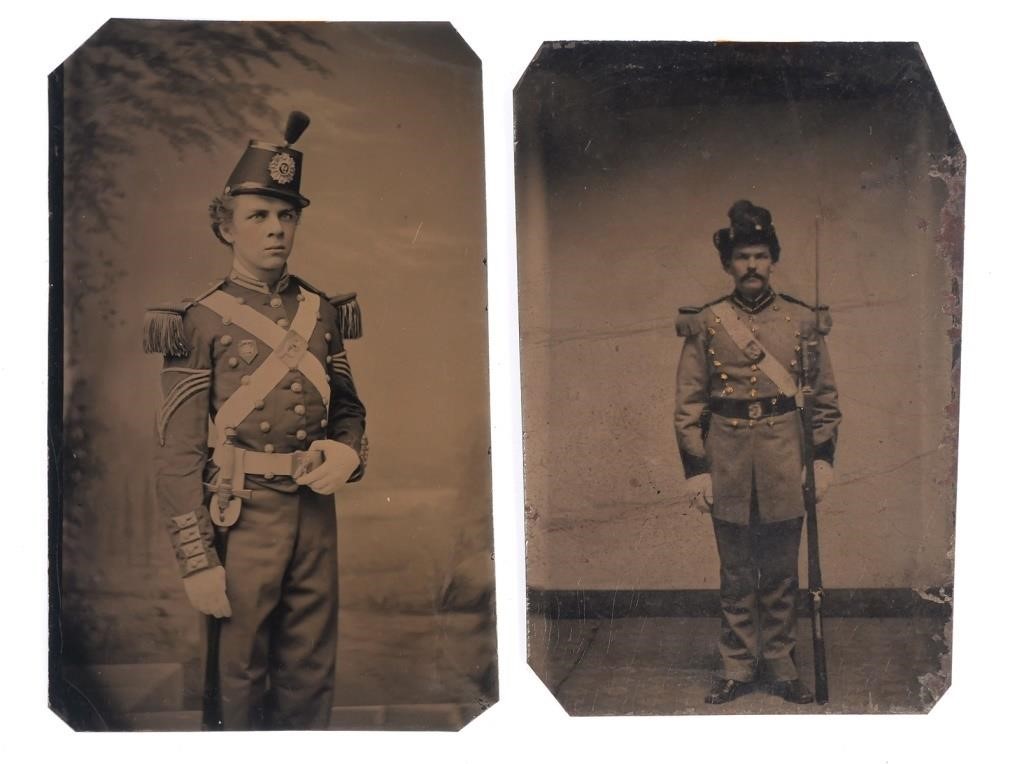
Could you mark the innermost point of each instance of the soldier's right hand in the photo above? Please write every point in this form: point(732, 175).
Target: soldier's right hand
point(207, 590)
point(700, 487)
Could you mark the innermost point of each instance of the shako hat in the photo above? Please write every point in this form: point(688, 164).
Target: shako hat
point(748, 224)
point(272, 170)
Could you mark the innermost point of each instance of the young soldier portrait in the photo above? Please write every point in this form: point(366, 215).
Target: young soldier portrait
point(226, 554)
point(741, 442)
point(262, 355)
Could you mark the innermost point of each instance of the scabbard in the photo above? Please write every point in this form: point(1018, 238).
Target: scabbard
point(213, 716)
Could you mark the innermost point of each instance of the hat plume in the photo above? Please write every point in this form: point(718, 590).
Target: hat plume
point(297, 124)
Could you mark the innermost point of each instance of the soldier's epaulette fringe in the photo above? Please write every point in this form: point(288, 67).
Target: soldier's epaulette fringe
point(350, 315)
point(163, 331)
point(163, 328)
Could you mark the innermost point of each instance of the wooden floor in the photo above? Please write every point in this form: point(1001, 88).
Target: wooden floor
point(664, 666)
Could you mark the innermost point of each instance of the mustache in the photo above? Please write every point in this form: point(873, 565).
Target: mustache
point(756, 276)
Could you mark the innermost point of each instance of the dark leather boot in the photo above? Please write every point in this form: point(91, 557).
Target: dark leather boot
point(724, 690)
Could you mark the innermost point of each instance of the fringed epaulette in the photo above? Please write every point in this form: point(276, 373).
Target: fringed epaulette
point(349, 315)
point(163, 328)
point(824, 321)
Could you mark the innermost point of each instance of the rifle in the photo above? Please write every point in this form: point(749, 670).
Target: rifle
point(815, 591)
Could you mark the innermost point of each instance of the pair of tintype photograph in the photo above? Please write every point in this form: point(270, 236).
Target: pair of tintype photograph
point(739, 305)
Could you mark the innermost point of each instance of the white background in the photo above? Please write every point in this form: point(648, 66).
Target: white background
point(973, 51)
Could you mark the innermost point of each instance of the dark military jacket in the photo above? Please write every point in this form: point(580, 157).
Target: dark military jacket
point(761, 453)
point(207, 357)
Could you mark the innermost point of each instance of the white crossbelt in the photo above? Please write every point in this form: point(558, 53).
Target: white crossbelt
point(744, 338)
point(289, 353)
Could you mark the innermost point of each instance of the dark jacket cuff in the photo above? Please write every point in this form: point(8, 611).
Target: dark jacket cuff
point(825, 452)
point(695, 465)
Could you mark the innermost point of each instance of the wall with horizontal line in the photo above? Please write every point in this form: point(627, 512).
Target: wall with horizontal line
point(618, 200)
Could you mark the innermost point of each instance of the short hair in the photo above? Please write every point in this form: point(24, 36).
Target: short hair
point(222, 211)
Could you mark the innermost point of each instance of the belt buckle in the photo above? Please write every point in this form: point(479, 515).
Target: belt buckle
point(754, 410)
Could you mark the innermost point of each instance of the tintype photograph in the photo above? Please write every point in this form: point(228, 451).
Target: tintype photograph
point(739, 296)
point(271, 502)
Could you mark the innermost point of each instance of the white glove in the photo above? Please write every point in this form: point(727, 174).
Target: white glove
point(340, 461)
point(823, 474)
point(207, 590)
point(703, 494)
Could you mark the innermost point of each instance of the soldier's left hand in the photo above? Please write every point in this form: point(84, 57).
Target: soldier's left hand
point(822, 479)
point(340, 461)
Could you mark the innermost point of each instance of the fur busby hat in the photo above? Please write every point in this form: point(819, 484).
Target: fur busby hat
point(748, 224)
point(266, 168)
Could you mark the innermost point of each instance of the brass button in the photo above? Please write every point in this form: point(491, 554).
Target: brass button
point(275, 302)
point(718, 320)
point(226, 320)
point(283, 323)
point(728, 389)
point(323, 422)
point(327, 336)
point(711, 331)
point(753, 380)
point(268, 475)
point(792, 363)
point(753, 393)
point(328, 358)
point(258, 405)
point(296, 387)
point(796, 348)
point(301, 434)
point(723, 375)
point(300, 409)
point(225, 340)
point(750, 423)
point(788, 318)
point(269, 448)
point(771, 422)
point(775, 401)
point(753, 367)
point(711, 351)
point(244, 380)
point(264, 426)
point(232, 362)
point(775, 307)
point(735, 423)
point(718, 363)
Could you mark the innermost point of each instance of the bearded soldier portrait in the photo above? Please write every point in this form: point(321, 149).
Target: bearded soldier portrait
point(259, 427)
point(744, 450)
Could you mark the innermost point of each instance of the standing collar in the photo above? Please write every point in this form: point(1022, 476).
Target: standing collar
point(256, 285)
point(759, 303)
